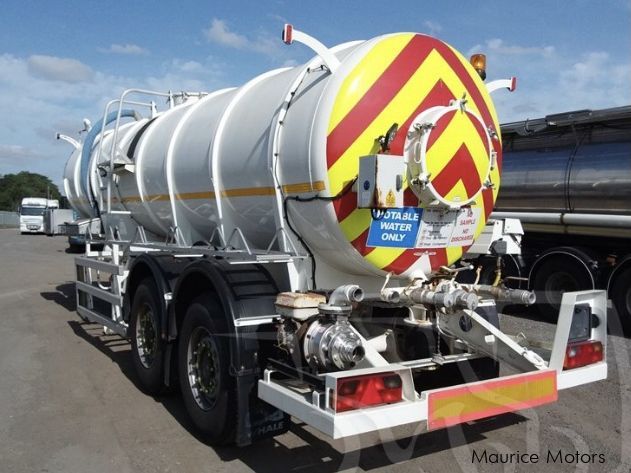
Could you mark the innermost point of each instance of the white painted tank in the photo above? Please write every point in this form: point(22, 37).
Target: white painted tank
point(231, 158)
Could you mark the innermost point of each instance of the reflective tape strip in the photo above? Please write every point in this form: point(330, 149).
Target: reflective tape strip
point(452, 406)
point(298, 188)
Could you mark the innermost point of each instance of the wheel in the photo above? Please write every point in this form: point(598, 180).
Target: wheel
point(147, 348)
point(620, 293)
point(208, 390)
point(73, 248)
point(555, 276)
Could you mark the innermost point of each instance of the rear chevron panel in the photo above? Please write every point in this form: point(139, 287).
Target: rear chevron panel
point(401, 76)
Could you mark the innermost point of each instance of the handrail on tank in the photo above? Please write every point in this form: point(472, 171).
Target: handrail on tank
point(122, 101)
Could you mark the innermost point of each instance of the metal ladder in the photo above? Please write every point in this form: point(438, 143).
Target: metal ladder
point(88, 289)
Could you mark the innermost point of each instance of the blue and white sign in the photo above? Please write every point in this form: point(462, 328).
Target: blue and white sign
point(397, 229)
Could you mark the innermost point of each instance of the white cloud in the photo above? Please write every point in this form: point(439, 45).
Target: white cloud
point(129, 49)
point(16, 152)
point(40, 108)
point(220, 33)
point(432, 27)
point(499, 46)
point(595, 79)
point(551, 80)
point(59, 69)
point(290, 63)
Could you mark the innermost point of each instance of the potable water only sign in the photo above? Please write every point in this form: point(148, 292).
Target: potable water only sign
point(398, 228)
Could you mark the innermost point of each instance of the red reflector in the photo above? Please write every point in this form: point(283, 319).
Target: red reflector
point(582, 354)
point(364, 391)
point(288, 34)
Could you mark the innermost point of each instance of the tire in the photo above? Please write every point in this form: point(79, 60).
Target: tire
point(555, 276)
point(620, 293)
point(76, 248)
point(208, 389)
point(147, 347)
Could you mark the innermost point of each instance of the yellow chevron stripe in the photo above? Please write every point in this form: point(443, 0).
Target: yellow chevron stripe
point(481, 87)
point(400, 107)
point(434, 68)
point(454, 253)
point(382, 256)
point(457, 192)
point(356, 223)
point(365, 74)
point(459, 131)
point(398, 110)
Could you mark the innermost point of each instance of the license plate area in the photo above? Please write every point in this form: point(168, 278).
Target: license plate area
point(465, 403)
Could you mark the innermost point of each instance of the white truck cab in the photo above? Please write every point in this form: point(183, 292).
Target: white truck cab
point(32, 213)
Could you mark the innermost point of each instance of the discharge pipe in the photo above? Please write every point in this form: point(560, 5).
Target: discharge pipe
point(501, 294)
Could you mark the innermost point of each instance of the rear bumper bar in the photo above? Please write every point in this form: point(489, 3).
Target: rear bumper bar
point(437, 408)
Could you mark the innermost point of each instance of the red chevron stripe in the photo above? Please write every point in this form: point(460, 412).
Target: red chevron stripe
point(481, 132)
point(409, 198)
point(487, 198)
point(473, 92)
point(439, 95)
point(443, 123)
point(360, 243)
point(378, 96)
point(460, 168)
point(408, 258)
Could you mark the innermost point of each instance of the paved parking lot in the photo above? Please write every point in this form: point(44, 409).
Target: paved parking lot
point(69, 403)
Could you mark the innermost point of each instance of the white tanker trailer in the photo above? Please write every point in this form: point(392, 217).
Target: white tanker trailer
point(289, 247)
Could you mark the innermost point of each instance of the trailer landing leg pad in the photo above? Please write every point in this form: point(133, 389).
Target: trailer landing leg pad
point(464, 403)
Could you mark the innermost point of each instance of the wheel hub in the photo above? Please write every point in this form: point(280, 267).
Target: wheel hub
point(203, 364)
point(146, 336)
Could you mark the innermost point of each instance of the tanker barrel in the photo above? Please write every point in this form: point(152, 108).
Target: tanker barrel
point(280, 154)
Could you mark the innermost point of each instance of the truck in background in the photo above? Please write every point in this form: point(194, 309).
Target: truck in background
point(55, 220)
point(567, 178)
point(32, 213)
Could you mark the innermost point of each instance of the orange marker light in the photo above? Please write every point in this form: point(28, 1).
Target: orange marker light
point(478, 61)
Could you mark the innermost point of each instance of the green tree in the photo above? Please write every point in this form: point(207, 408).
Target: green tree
point(14, 187)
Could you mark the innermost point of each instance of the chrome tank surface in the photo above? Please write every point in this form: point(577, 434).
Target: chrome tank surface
point(580, 164)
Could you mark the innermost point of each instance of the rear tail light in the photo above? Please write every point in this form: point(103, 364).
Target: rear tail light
point(582, 354)
point(364, 391)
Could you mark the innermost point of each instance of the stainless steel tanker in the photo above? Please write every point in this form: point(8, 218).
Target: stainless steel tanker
point(287, 247)
point(577, 164)
point(567, 177)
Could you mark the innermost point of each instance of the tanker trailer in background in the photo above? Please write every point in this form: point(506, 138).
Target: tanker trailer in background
point(290, 246)
point(567, 178)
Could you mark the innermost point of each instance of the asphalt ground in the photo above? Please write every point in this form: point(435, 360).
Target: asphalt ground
point(69, 403)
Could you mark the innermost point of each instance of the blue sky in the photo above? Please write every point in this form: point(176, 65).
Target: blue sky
point(61, 61)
